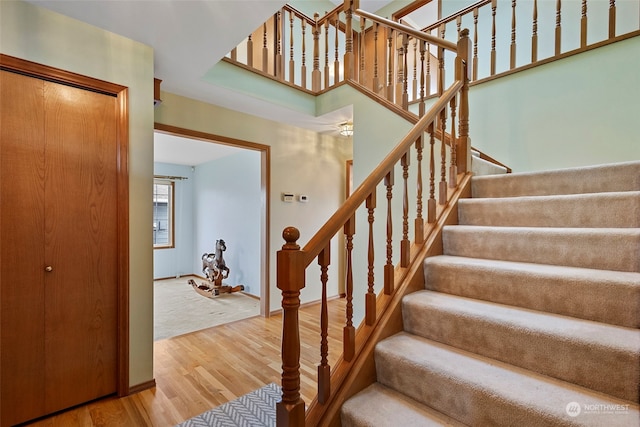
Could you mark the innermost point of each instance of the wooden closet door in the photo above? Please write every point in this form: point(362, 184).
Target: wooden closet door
point(22, 293)
point(80, 245)
point(58, 247)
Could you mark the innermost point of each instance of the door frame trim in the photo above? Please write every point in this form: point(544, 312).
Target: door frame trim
point(45, 72)
point(265, 184)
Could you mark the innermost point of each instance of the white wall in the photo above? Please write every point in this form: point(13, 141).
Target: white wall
point(178, 261)
point(41, 36)
point(227, 205)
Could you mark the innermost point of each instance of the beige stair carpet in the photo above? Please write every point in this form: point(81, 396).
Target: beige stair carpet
point(530, 317)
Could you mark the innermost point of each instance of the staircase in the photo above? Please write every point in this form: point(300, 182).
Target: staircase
point(529, 318)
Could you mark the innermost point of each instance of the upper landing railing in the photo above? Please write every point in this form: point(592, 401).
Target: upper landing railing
point(319, 52)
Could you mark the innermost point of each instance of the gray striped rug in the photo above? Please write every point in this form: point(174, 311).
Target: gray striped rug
point(257, 408)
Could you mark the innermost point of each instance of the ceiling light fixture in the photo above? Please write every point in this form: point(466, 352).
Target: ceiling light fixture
point(346, 129)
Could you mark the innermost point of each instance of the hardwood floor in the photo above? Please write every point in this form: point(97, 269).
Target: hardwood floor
point(201, 370)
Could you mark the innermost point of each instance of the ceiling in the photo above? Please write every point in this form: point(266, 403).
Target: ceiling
point(189, 37)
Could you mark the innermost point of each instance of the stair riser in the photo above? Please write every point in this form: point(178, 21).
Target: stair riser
point(576, 360)
point(614, 299)
point(605, 249)
point(606, 178)
point(601, 210)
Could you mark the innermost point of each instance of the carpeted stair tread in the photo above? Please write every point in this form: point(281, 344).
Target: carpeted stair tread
point(381, 406)
point(590, 179)
point(600, 295)
point(607, 210)
point(583, 352)
point(479, 391)
point(598, 248)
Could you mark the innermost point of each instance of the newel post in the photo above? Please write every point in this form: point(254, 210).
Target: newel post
point(463, 72)
point(290, 278)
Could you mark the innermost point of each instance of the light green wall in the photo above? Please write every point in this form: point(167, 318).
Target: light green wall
point(582, 110)
point(41, 36)
point(302, 162)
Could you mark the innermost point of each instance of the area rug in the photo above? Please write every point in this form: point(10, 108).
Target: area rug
point(178, 309)
point(257, 408)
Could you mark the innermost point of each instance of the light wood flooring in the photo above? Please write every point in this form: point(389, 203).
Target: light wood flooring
point(203, 369)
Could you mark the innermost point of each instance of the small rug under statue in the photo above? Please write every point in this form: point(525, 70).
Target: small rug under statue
point(257, 408)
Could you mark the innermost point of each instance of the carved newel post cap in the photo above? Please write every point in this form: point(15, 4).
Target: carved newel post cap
point(464, 32)
point(291, 235)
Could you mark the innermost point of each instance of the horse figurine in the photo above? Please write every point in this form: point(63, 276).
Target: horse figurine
point(215, 269)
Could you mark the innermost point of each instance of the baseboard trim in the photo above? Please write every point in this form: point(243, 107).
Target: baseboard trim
point(306, 304)
point(142, 386)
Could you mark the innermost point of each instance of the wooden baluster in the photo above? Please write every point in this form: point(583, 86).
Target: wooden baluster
point(290, 280)
point(405, 73)
point(390, 68)
point(326, 52)
point(464, 73)
point(361, 74)
point(315, 74)
point(249, 52)
point(265, 49)
point(513, 34)
point(442, 190)
point(583, 25)
point(453, 169)
point(370, 298)
point(441, 64)
point(234, 54)
point(414, 85)
point(405, 244)
point(534, 36)
point(388, 267)
point(428, 79)
point(278, 65)
point(494, 5)
point(324, 370)
point(558, 27)
point(292, 63)
point(303, 70)
point(475, 44)
point(348, 54)
point(376, 80)
point(419, 222)
point(336, 62)
point(349, 331)
point(431, 204)
point(612, 18)
point(399, 84)
point(423, 47)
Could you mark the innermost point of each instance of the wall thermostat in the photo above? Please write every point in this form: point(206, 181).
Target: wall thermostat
point(287, 197)
point(303, 198)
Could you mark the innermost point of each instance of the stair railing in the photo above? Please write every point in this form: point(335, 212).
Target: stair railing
point(320, 52)
point(506, 34)
point(293, 261)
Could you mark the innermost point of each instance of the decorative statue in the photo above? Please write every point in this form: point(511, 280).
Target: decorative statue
point(215, 269)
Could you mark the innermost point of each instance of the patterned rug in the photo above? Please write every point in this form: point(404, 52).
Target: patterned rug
point(257, 408)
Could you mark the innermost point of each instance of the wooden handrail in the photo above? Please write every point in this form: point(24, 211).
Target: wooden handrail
point(319, 241)
point(437, 41)
point(455, 15)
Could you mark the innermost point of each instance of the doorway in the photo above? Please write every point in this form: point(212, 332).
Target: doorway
point(220, 192)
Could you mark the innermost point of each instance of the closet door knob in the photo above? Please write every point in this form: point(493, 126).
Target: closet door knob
point(48, 269)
